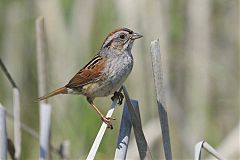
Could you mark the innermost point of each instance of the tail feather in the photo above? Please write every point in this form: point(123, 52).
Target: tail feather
point(62, 90)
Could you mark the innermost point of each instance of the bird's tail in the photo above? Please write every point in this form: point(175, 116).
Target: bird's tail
point(62, 90)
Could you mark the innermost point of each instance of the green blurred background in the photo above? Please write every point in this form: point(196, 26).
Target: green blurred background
point(199, 42)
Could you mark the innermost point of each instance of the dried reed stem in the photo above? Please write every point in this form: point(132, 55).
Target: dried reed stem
point(17, 123)
point(100, 134)
point(142, 145)
point(3, 133)
point(16, 112)
point(208, 148)
point(124, 134)
point(45, 109)
point(158, 81)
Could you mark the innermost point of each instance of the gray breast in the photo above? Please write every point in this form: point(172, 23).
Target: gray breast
point(117, 70)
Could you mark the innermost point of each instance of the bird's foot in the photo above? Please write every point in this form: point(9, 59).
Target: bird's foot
point(119, 96)
point(107, 120)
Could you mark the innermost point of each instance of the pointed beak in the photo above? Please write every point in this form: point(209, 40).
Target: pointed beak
point(136, 36)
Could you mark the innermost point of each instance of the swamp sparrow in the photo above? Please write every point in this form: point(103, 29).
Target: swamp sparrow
point(106, 72)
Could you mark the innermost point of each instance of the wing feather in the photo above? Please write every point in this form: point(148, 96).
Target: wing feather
point(90, 73)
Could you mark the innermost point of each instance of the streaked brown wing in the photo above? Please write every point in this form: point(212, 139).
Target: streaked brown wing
point(90, 73)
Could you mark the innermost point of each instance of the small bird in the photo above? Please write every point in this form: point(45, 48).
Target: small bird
point(105, 73)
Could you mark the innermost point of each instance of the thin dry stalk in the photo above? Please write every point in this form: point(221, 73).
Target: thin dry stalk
point(208, 148)
point(100, 134)
point(9, 77)
point(41, 56)
point(16, 112)
point(45, 109)
point(3, 133)
point(158, 81)
point(143, 148)
point(17, 123)
point(124, 134)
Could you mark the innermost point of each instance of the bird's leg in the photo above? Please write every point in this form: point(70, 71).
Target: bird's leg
point(106, 120)
point(119, 96)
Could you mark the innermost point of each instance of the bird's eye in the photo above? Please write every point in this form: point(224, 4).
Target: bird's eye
point(122, 36)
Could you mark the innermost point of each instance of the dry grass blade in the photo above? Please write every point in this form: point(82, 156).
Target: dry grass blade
point(4, 69)
point(124, 134)
point(158, 80)
point(143, 147)
point(17, 123)
point(208, 148)
point(3, 133)
point(100, 134)
point(45, 109)
point(16, 112)
point(41, 47)
point(45, 123)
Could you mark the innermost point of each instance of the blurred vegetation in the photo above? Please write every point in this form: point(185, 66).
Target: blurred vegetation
point(76, 30)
